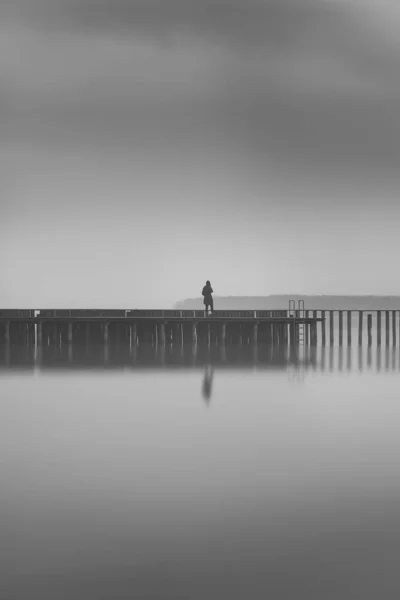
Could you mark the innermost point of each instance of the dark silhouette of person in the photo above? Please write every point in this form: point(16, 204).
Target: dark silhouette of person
point(208, 299)
point(207, 383)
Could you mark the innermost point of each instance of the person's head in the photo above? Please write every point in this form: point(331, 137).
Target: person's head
point(208, 283)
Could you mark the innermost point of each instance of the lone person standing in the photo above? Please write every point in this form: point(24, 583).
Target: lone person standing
point(208, 299)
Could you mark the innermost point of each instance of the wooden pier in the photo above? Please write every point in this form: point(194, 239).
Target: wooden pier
point(276, 327)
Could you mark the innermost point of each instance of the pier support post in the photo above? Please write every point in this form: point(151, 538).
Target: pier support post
point(387, 328)
point(394, 327)
point(331, 329)
point(292, 333)
point(70, 333)
point(313, 334)
point(349, 315)
point(106, 333)
point(323, 328)
point(360, 327)
point(369, 330)
point(307, 329)
point(340, 327)
point(378, 328)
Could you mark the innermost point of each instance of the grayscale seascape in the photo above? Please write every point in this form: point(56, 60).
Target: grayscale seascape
point(199, 300)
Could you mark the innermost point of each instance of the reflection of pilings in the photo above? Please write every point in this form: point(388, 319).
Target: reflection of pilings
point(340, 359)
point(331, 358)
point(360, 327)
point(349, 358)
point(360, 359)
point(369, 355)
point(194, 333)
point(387, 355)
point(378, 359)
point(223, 333)
point(323, 328)
point(70, 333)
point(106, 333)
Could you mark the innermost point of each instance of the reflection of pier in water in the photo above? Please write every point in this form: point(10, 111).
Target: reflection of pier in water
point(260, 357)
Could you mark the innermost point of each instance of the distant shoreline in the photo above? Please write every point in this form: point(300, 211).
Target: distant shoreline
point(281, 302)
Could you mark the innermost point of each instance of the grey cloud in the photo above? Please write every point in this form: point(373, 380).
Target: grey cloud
point(306, 86)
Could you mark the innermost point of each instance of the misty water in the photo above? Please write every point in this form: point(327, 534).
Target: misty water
point(187, 472)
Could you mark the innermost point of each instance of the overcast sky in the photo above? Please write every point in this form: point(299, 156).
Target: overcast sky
point(149, 145)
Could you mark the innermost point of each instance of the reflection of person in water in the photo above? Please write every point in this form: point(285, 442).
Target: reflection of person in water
point(207, 383)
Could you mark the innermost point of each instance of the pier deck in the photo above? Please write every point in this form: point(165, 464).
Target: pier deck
point(293, 326)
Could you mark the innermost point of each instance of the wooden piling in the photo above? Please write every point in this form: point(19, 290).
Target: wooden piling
point(70, 333)
point(349, 315)
point(360, 327)
point(323, 328)
point(292, 333)
point(307, 329)
point(106, 333)
point(394, 314)
point(378, 328)
point(331, 328)
point(340, 327)
point(369, 330)
point(387, 328)
point(313, 334)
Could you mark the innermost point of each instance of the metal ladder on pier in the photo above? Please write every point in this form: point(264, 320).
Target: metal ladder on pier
point(300, 317)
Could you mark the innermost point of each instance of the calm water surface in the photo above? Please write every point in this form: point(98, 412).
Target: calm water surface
point(186, 473)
